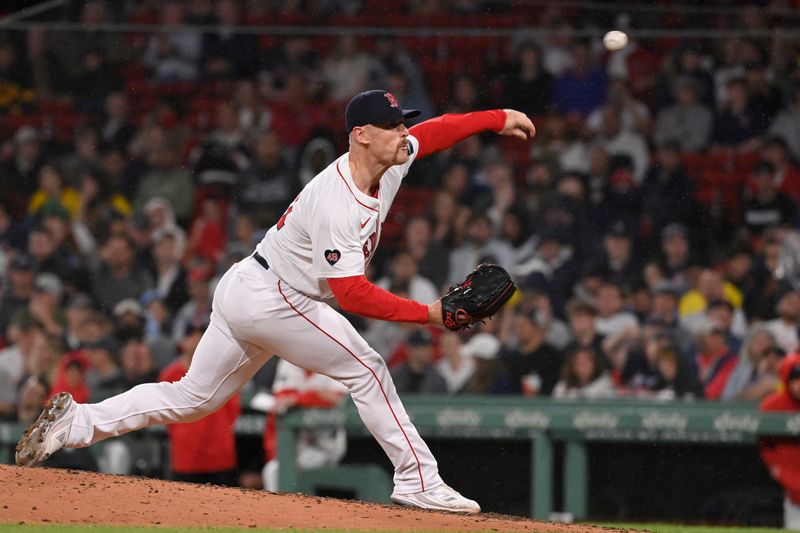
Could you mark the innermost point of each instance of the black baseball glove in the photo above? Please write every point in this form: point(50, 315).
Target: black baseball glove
point(479, 296)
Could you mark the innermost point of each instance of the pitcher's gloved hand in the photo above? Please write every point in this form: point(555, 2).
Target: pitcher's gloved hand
point(479, 296)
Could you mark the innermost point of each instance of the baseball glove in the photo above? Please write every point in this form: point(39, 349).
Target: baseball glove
point(479, 296)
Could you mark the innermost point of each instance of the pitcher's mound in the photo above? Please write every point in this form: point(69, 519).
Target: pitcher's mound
point(39, 495)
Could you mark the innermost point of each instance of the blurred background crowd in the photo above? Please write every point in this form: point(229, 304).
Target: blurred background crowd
point(642, 225)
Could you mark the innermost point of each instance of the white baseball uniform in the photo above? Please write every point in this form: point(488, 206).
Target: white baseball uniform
point(330, 230)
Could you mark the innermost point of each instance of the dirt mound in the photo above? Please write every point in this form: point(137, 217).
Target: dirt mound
point(37, 495)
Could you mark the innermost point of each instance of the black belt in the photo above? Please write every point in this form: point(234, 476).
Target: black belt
point(261, 261)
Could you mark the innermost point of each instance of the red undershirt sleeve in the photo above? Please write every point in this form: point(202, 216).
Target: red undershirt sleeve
point(445, 131)
point(357, 295)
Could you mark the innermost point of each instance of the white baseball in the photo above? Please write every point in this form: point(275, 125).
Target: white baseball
point(615, 40)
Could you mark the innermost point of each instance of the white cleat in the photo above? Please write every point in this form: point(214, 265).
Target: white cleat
point(49, 433)
point(441, 498)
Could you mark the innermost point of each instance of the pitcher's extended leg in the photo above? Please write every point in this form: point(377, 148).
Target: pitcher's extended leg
point(220, 366)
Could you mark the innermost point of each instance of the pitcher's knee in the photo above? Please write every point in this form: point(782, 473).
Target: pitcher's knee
point(197, 402)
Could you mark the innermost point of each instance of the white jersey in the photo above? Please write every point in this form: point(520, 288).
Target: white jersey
point(331, 229)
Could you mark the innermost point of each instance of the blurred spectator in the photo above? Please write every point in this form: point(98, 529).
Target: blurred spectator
point(22, 334)
point(169, 243)
point(674, 379)
point(116, 131)
point(714, 362)
point(765, 98)
point(167, 180)
point(515, 229)
point(118, 276)
point(130, 320)
point(418, 374)
point(466, 95)
point(738, 124)
point(53, 190)
point(78, 309)
point(490, 376)
point(785, 326)
point(173, 55)
point(552, 270)
point(582, 88)
point(45, 303)
point(665, 315)
point(19, 173)
point(782, 455)
point(17, 77)
point(766, 206)
point(18, 289)
point(295, 387)
point(396, 59)
point(687, 60)
point(71, 376)
point(694, 304)
point(687, 122)
point(619, 264)
point(787, 174)
point(480, 244)
point(618, 141)
point(639, 364)
point(136, 360)
point(612, 318)
point(104, 377)
point(676, 255)
point(581, 315)
point(527, 86)
point(228, 54)
point(404, 271)
point(787, 124)
point(533, 365)
point(721, 311)
point(583, 376)
point(430, 256)
point(95, 77)
point(634, 115)
point(347, 69)
point(198, 308)
point(157, 316)
point(756, 373)
point(207, 237)
point(456, 365)
point(32, 397)
point(317, 154)
point(667, 191)
point(203, 451)
point(293, 54)
point(269, 183)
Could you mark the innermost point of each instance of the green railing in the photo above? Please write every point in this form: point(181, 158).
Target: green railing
point(545, 422)
point(539, 421)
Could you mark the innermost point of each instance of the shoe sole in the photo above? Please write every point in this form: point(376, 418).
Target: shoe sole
point(31, 450)
point(399, 499)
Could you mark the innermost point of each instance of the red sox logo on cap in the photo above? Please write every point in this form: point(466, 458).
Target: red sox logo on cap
point(392, 99)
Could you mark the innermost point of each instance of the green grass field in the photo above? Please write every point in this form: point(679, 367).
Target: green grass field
point(652, 528)
point(680, 528)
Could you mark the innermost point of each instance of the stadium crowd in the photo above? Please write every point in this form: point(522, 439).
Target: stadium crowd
point(643, 224)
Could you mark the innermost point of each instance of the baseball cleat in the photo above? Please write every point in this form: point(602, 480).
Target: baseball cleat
point(49, 433)
point(441, 498)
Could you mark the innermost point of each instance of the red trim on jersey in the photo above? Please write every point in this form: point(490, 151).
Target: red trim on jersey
point(374, 375)
point(445, 131)
point(351, 190)
point(356, 294)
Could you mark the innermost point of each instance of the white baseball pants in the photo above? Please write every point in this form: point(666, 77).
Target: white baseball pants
point(255, 315)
